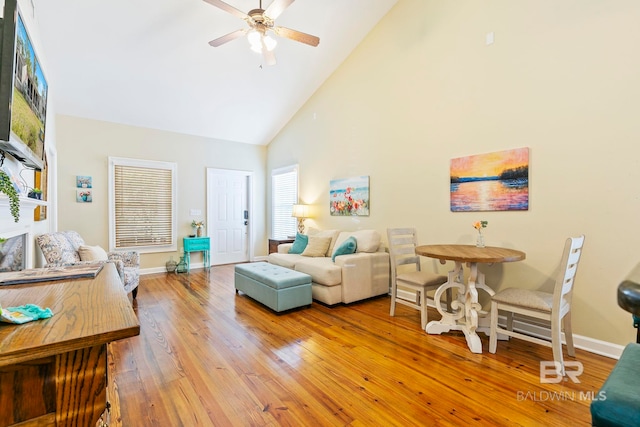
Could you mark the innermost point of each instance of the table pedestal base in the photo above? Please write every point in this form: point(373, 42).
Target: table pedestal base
point(466, 314)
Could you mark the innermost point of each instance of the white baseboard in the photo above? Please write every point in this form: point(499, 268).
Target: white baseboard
point(155, 270)
point(591, 345)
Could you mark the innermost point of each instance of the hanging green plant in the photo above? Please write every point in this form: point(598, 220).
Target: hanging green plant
point(6, 187)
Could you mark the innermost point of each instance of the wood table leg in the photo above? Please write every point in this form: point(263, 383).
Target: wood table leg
point(471, 309)
point(449, 320)
point(466, 310)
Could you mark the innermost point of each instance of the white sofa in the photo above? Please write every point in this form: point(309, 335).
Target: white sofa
point(351, 277)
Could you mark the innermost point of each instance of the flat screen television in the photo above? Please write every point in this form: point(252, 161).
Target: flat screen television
point(23, 92)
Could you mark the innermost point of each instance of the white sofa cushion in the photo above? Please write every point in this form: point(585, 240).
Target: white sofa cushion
point(284, 259)
point(368, 240)
point(322, 270)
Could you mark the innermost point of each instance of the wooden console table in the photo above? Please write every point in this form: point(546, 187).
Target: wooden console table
point(273, 244)
point(54, 371)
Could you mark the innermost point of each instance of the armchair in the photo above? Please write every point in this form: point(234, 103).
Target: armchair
point(63, 248)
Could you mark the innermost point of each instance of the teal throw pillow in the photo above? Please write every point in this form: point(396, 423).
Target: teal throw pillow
point(347, 247)
point(299, 244)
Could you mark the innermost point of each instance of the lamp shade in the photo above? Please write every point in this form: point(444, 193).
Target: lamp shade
point(300, 211)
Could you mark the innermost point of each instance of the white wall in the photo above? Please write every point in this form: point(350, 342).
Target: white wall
point(423, 88)
point(84, 147)
point(39, 227)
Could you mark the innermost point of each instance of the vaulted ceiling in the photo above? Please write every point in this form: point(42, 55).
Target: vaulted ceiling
point(148, 62)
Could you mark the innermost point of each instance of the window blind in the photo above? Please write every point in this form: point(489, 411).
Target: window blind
point(284, 193)
point(143, 195)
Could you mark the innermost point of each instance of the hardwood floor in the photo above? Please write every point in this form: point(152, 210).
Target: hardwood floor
point(206, 356)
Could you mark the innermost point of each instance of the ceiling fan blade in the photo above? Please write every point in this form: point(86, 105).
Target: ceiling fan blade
point(227, 38)
point(277, 7)
point(269, 56)
point(297, 36)
point(227, 8)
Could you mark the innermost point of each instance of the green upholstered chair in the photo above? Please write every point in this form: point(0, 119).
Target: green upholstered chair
point(618, 401)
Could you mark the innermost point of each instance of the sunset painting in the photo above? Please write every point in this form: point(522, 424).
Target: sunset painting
point(496, 181)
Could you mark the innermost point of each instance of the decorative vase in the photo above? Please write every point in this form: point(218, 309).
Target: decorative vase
point(182, 266)
point(199, 231)
point(480, 240)
point(171, 265)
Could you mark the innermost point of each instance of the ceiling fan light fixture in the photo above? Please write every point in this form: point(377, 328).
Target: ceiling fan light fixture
point(255, 41)
point(270, 43)
point(256, 48)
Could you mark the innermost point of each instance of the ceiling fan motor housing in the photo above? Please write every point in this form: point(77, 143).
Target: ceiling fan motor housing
point(260, 19)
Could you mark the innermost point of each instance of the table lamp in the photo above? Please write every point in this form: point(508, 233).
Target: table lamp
point(301, 212)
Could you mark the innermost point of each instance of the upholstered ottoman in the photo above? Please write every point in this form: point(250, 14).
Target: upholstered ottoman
point(618, 402)
point(276, 287)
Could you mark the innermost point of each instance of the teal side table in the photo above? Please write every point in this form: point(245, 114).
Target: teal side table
point(197, 244)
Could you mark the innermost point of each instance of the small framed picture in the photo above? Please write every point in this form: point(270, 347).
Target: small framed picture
point(83, 181)
point(84, 195)
point(15, 180)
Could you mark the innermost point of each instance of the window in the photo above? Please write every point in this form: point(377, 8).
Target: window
point(284, 193)
point(142, 200)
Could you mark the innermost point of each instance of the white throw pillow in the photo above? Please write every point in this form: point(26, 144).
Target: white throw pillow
point(92, 253)
point(368, 240)
point(317, 246)
point(325, 233)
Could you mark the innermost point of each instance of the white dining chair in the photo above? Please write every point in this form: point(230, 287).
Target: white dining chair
point(552, 307)
point(406, 273)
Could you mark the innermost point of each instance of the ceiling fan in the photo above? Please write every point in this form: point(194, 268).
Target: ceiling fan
point(261, 22)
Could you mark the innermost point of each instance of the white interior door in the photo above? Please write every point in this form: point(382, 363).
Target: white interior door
point(228, 214)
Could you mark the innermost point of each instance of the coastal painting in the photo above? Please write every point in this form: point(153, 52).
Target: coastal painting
point(496, 181)
point(349, 196)
point(83, 181)
point(84, 196)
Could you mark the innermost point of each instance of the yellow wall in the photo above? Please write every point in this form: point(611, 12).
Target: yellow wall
point(562, 78)
point(84, 147)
